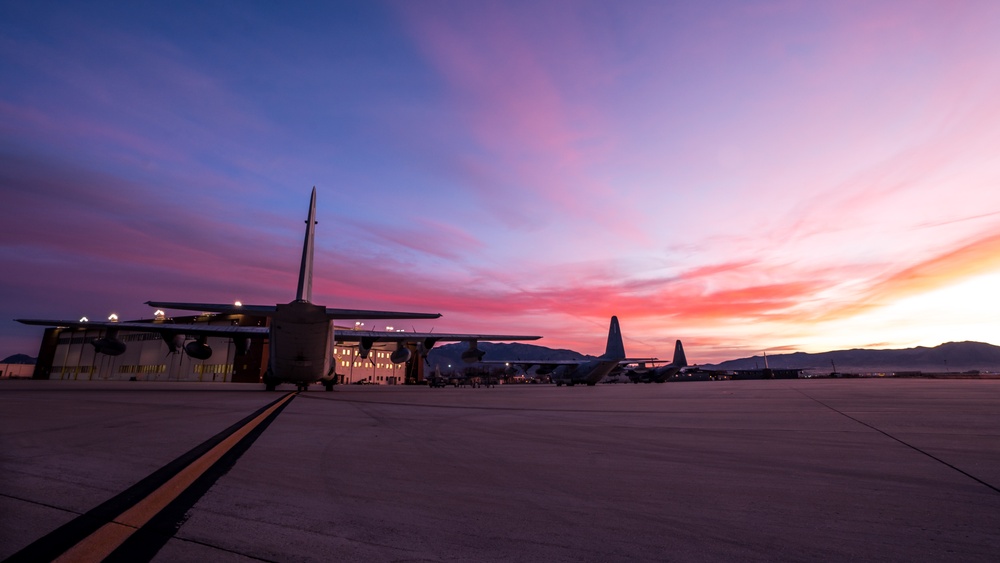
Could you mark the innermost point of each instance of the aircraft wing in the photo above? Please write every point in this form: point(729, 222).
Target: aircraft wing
point(268, 310)
point(332, 313)
point(206, 330)
point(627, 361)
point(228, 308)
point(530, 363)
point(385, 336)
point(563, 362)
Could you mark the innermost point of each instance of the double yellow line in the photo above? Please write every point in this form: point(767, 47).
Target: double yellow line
point(102, 542)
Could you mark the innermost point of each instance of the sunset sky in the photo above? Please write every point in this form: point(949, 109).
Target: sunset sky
point(743, 176)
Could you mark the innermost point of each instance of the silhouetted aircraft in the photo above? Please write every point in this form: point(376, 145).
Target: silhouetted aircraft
point(571, 372)
point(643, 373)
point(300, 333)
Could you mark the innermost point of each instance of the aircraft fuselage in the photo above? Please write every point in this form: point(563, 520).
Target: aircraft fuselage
point(589, 373)
point(299, 343)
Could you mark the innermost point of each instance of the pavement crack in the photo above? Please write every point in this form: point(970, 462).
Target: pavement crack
point(36, 503)
point(903, 442)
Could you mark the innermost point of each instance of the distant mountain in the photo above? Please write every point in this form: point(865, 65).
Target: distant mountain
point(452, 353)
point(18, 359)
point(951, 356)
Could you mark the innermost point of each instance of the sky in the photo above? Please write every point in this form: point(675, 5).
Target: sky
point(744, 176)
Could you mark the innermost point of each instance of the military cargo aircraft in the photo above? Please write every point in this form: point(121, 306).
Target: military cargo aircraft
point(300, 333)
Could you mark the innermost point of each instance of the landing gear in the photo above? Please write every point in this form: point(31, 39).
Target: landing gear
point(302, 387)
point(328, 383)
point(270, 383)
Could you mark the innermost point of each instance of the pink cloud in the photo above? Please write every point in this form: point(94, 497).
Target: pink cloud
point(526, 113)
point(426, 237)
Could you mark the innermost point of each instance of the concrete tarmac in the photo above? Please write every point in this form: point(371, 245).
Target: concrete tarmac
point(785, 470)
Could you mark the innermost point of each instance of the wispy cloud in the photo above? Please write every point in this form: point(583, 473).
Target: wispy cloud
point(748, 178)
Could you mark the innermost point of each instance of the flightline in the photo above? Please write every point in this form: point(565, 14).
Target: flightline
point(905, 443)
point(135, 524)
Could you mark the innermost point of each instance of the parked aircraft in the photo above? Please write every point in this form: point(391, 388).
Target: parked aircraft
point(571, 372)
point(658, 374)
point(300, 333)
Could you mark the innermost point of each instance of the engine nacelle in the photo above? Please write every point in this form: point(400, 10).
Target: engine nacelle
point(365, 346)
point(400, 355)
point(242, 345)
point(109, 345)
point(198, 349)
point(425, 345)
point(173, 340)
point(473, 354)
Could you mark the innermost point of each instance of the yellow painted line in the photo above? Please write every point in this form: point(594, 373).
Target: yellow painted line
point(100, 544)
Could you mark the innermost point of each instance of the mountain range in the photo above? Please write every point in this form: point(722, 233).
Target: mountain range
point(951, 356)
point(947, 357)
point(452, 353)
point(18, 359)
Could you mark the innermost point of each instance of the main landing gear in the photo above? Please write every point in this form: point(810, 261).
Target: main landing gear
point(270, 383)
point(304, 386)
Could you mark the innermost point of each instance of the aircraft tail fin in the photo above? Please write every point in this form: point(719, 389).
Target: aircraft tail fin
point(306, 269)
point(615, 350)
point(680, 359)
